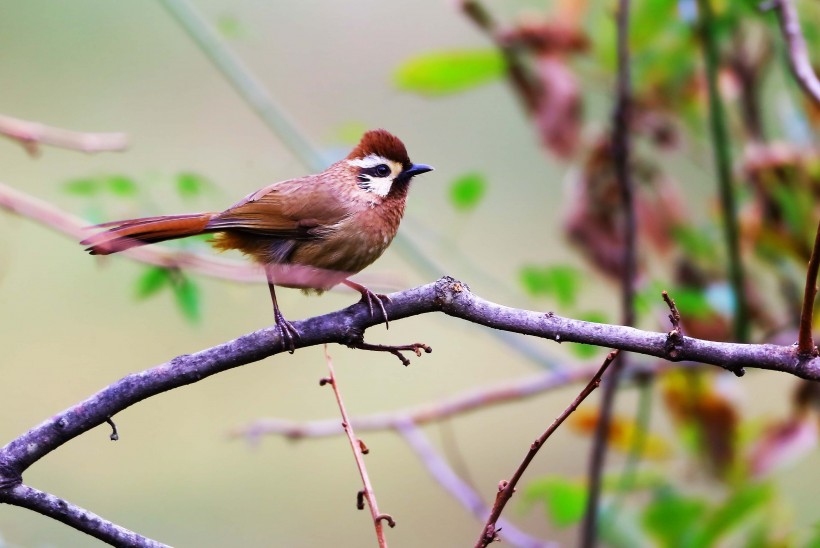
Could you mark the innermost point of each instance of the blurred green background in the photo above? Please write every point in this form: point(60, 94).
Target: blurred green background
point(71, 324)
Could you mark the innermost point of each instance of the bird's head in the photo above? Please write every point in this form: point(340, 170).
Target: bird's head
point(382, 165)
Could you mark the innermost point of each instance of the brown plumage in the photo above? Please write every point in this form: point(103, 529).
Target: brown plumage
point(312, 232)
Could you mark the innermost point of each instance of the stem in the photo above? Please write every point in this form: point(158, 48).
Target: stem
point(620, 158)
point(244, 81)
point(507, 488)
point(356, 445)
point(799, 59)
point(805, 342)
point(723, 163)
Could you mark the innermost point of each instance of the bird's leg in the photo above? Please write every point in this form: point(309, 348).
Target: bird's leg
point(369, 297)
point(286, 330)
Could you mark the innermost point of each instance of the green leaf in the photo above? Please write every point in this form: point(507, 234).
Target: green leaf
point(188, 297)
point(467, 191)
point(445, 72)
point(565, 282)
point(82, 187)
point(560, 281)
point(120, 185)
point(565, 500)
point(191, 185)
point(734, 510)
point(673, 519)
point(152, 280)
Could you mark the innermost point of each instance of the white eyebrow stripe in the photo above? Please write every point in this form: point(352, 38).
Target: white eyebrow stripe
point(371, 160)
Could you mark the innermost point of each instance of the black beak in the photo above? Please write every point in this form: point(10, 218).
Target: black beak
point(413, 170)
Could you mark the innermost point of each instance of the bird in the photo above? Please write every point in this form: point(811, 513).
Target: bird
point(311, 232)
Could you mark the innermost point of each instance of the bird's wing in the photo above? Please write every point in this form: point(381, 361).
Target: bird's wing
point(295, 209)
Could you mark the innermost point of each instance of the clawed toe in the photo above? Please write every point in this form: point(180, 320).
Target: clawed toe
point(287, 332)
point(368, 297)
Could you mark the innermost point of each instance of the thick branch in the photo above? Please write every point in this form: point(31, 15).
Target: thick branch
point(346, 326)
point(74, 516)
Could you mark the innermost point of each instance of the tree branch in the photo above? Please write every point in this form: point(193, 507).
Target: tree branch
point(805, 342)
point(74, 516)
point(32, 134)
point(423, 414)
point(800, 63)
point(799, 59)
point(620, 158)
point(76, 228)
point(347, 326)
point(356, 445)
point(458, 488)
point(489, 533)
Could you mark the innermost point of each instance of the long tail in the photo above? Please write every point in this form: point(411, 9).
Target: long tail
point(148, 230)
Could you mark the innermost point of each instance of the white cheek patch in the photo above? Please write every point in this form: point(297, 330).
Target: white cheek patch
point(377, 185)
point(380, 185)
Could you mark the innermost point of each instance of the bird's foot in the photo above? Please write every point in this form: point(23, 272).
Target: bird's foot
point(370, 297)
point(395, 350)
point(287, 332)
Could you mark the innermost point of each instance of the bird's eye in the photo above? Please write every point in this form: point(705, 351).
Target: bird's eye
point(382, 170)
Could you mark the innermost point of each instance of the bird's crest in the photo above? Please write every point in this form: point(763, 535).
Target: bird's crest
point(382, 143)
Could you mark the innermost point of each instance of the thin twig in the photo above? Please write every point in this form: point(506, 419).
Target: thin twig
point(723, 163)
point(506, 488)
point(356, 445)
point(620, 157)
point(520, 75)
point(674, 314)
point(31, 134)
point(674, 341)
point(801, 66)
point(446, 477)
point(799, 59)
point(805, 342)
